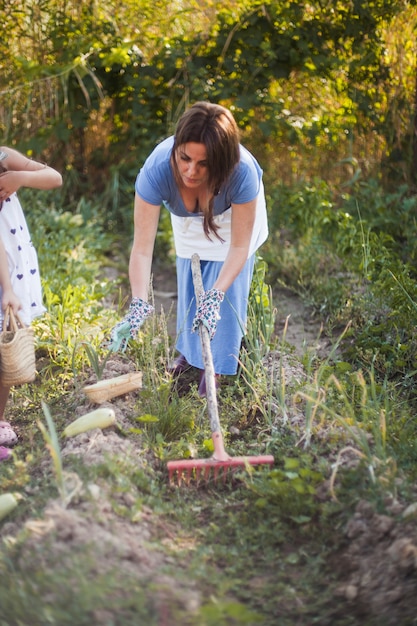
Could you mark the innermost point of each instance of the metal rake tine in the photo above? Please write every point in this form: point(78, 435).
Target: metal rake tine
point(200, 475)
point(171, 474)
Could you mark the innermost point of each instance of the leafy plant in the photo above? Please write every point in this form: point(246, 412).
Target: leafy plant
point(98, 364)
point(258, 339)
point(165, 418)
point(68, 484)
point(361, 408)
point(291, 487)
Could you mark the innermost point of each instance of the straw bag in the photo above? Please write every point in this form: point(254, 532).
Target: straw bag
point(17, 351)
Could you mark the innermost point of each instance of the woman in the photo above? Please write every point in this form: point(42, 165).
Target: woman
point(213, 188)
point(20, 283)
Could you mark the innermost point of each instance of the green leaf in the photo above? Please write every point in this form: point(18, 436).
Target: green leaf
point(208, 445)
point(291, 463)
point(301, 519)
point(147, 418)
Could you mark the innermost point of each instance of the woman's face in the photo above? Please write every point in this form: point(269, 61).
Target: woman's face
point(191, 163)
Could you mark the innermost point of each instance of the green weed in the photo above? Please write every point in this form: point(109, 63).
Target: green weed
point(97, 363)
point(361, 407)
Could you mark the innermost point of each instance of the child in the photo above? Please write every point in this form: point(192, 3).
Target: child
point(7, 435)
point(20, 284)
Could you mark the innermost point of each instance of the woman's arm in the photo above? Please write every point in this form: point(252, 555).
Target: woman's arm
point(243, 219)
point(23, 172)
point(146, 218)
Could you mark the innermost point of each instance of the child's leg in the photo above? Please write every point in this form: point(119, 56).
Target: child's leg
point(4, 396)
point(7, 435)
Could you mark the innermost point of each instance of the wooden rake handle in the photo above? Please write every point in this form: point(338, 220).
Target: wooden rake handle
point(211, 394)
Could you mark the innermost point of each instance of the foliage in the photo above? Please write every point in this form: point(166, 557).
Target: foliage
point(97, 363)
point(26, 585)
point(97, 87)
point(291, 488)
point(72, 259)
point(363, 408)
point(259, 332)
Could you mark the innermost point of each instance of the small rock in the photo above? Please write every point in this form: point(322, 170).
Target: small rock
point(403, 553)
point(94, 491)
point(410, 511)
point(355, 528)
point(383, 524)
point(393, 596)
point(394, 507)
point(351, 592)
point(129, 499)
point(365, 509)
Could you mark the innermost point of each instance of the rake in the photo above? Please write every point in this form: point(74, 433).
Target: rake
point(220, 464)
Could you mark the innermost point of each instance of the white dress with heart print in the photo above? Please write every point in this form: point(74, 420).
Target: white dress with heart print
point(22, 259)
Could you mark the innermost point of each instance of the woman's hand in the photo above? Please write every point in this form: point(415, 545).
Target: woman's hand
point(208, 311)
point(128, 328)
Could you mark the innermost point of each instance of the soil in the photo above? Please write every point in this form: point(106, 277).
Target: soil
point(376, 566)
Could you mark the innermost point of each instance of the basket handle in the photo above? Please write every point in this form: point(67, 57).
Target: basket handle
point(12, 320)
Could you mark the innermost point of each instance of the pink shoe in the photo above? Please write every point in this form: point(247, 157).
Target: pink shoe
point(7, 435)
point(5, 454)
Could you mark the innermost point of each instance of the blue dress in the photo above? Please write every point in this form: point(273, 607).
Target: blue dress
point(225, 345)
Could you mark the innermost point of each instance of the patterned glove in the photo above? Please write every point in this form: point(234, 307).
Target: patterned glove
point(208, 311)
point(128, 328)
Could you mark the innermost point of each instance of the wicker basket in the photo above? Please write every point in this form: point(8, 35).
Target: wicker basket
point(110, 388)
point(17, 351)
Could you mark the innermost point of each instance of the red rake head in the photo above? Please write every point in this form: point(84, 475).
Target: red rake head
point(208, 470)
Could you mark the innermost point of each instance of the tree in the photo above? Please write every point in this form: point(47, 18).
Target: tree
point(96, 86)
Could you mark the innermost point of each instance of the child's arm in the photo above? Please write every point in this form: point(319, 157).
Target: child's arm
point(23, 172)
point(8, 295)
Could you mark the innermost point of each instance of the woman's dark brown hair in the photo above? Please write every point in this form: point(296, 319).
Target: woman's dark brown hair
point(215, 127)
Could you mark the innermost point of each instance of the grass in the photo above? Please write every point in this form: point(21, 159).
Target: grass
point(72, 597)
point(103, 539)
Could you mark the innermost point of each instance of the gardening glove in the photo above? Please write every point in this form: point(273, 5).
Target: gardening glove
point(208, 311)
point(128, 328)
